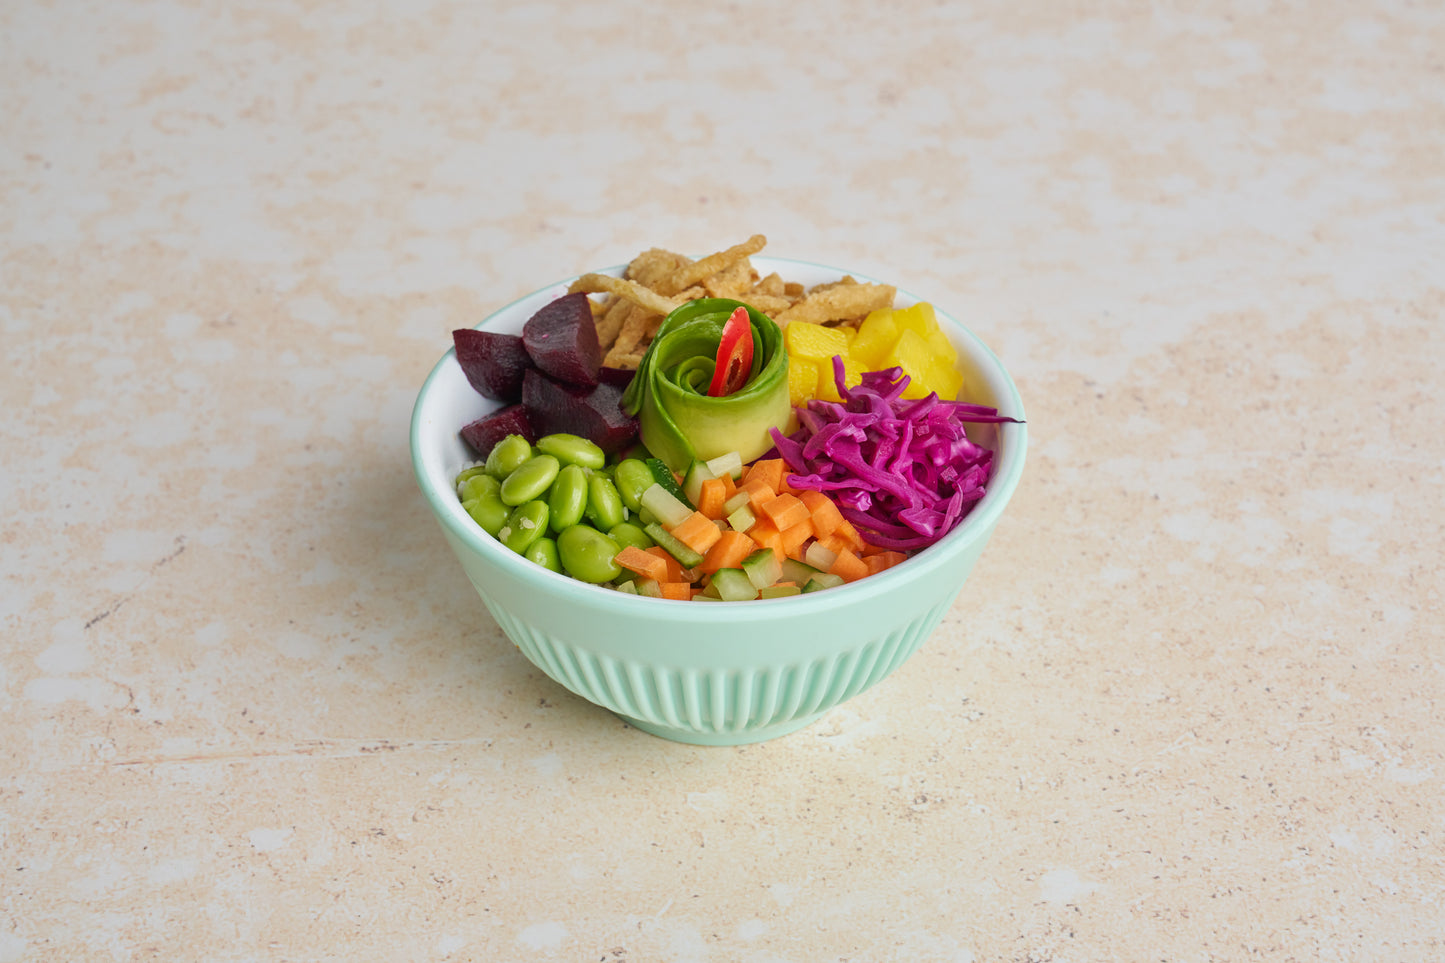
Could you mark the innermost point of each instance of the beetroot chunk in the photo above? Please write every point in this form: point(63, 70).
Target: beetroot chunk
point(484, 433)
point(594, 413)
point(618, 377)
point(562, 340)
point(493, 363)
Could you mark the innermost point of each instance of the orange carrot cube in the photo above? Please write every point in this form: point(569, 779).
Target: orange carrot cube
point(643, 563)
point(711, 498)
point(785, 511)
point(849, 566)
point(767, 470)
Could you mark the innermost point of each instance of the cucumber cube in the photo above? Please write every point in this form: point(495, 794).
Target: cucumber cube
point(763, 568)
point(733, 585)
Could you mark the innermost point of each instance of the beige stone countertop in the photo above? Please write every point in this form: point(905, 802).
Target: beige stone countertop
point(1188, 708)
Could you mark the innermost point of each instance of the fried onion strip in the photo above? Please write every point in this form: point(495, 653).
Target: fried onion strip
point(690, 274)
point(631, 290)
point(839, 301)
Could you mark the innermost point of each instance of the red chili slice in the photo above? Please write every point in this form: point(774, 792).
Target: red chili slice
point(734, 355)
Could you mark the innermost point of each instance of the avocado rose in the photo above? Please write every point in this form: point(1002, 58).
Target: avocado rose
point(678, 420)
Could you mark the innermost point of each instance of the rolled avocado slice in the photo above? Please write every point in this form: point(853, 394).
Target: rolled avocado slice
point(678, 421)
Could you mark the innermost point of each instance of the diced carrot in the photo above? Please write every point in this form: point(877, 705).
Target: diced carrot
point(674, 567)
point(697, 532)
point(795, 535)
point(643, 563)
point(785, 511)
point(710, 499)
point(850, 533)
point(882, 560)
point(766, 533)
point(767, 470)
point(681, 591)
point(849, 566)
point(826, 517)
point(834, 542)
point(729, 552)
point(730, 487)
point(759, 492)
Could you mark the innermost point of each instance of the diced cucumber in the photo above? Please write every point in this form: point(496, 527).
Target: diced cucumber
point(821, 581)
point(668, 509)
point(670, 543)
point(649, 588)
point(664, 477)
point(733, 585)
point(762, 568)
point(796, 571)
point(742, 519)
point(730, 463)
point(697, 473)
point(819, 557)
point(629, 587)
point(779, 591)
point(737, 501)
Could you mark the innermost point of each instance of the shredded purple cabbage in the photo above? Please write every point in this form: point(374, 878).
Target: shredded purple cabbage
point(903, 472)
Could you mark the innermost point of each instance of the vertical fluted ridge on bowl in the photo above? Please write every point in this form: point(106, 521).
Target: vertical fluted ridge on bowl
point(720, 700)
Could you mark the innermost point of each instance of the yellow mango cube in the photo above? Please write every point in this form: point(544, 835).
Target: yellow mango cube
point(802, 379)
point(813, 341)
point(922, 319)
point(915, 357)
point(943, 377)
point(876, 337)
point(919, 317)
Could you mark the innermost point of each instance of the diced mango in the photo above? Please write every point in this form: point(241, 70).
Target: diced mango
point(814, 341)
point(912, 354)
point(919, 318)
point(876, 336)
point(802, 379)
point(944, 378)
point(909, 338)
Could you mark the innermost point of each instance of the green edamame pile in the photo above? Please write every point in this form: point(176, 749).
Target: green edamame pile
point(559, 503)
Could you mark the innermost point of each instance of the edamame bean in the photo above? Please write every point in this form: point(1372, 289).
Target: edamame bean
point(587, 555)
point(568, 498)
point(526, 524)
point(632, 477)
point(543, 552)
point(508, 455)
point(488, 511)
point(604, 505)
point(478, 485)
point(629, 534)
point(466, 473)
point(572, 450)
point(530, 480)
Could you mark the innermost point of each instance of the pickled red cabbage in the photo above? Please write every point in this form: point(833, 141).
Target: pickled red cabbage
point(903, 472)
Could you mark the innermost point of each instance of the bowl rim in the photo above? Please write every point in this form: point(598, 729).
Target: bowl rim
point(440, 492)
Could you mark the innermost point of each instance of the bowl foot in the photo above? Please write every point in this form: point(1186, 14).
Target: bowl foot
point(745, 737)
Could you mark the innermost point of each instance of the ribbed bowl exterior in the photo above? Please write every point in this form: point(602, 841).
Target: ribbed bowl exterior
point(717, 705)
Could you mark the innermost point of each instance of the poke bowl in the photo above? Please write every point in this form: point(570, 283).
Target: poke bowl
point(727, 673)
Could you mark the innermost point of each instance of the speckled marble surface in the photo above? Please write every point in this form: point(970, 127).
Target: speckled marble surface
point(1187, 709)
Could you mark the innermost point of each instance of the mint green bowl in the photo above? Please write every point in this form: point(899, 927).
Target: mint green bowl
point(722, 673)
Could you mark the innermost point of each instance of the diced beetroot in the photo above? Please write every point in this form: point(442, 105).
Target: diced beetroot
point(594, 413)
point(562, 340)
point(617, 377)
point(484, 433)
point(493, 363)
